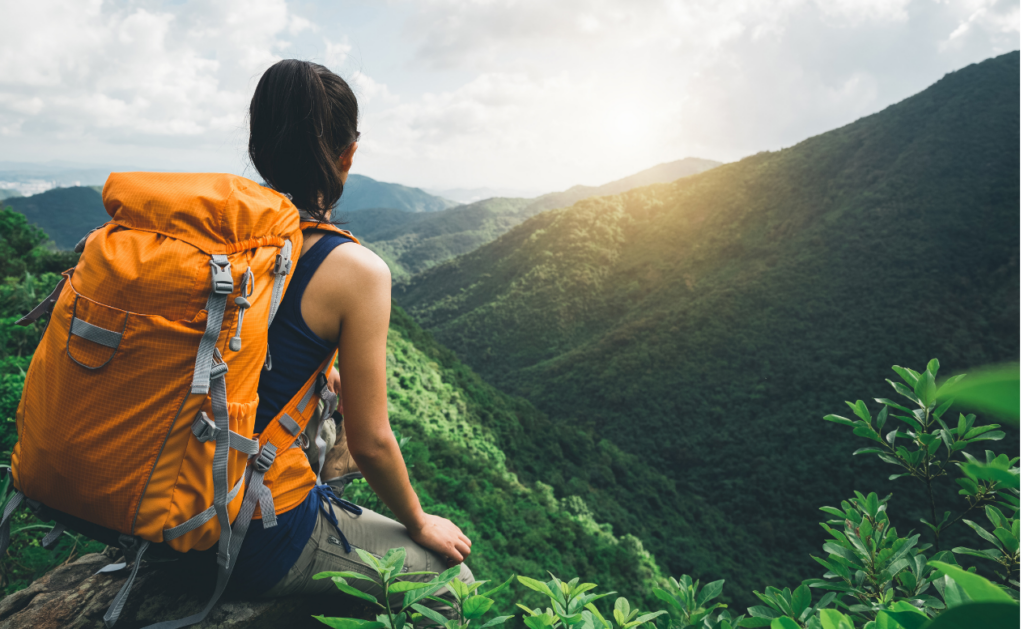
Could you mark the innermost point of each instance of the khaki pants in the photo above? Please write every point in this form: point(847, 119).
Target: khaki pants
point(373, 533)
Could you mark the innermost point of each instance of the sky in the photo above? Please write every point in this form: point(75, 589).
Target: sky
point(534, 95)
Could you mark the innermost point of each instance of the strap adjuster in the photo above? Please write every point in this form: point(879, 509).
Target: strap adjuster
point(223, 283)
point(265, 459)
point(204, 429)
point(282, 265)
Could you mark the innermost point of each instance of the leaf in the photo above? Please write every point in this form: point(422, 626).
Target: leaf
point(760, 611)
point(406, 586)
point(348, 589)
point(864, 431)
point(978, 588)
point(1010, 543)
point(982, 533)
point(369, 559)
point(430, 614)
point(476, 606)
point(995, 390)
point(892, 404)
point(801, 600)
point(710, 591)
point(344, 575)
point(839, 420)
point(869, 451)
point(535, 622)
point(925, 389)
point(860, 409)
point(501, 587)
point(784, 623)
point(668, 598)
point(833, 619)
point(909, 376)
point(350, 623)
point(536, 586)
point(497, 620)
point(907, 619)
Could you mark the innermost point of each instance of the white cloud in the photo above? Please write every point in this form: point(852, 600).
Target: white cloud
point(521, 93)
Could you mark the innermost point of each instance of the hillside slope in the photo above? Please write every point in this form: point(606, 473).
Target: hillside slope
point(413, 243)
point(707, 325)
point(65, 214)
point(362, 193)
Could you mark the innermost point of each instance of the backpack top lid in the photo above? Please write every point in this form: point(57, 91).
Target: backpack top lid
point(216, 213)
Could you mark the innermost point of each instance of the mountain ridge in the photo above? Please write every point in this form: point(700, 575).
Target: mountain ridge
point(708, 324)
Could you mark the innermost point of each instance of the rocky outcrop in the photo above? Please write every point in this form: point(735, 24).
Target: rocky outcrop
point(74, 596)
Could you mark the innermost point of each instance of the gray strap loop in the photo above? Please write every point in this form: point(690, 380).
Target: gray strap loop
point(117, 605)
point(219, 402)
point(215, 305)
point(267, 507)
point(289, 424)
point(282, 267)
point(53, 536)
point(45, 307)
point(96, 334)
point(240, 443)
point(5, 521)
point(202, 518)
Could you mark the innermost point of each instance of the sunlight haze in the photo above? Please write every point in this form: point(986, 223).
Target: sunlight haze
point(528, 95)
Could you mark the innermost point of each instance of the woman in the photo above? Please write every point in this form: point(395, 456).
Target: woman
point(303, 121)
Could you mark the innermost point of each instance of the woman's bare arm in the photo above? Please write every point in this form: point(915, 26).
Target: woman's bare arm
point(355, 282)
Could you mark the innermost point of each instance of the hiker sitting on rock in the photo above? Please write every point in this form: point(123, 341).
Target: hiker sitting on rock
point(303, 121)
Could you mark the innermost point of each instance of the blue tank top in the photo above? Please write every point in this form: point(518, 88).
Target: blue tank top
point(267, 555)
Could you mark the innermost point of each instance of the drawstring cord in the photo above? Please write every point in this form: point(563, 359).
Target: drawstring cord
point(325, 496)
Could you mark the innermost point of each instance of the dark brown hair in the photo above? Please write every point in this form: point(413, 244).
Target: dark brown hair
point(301, 119)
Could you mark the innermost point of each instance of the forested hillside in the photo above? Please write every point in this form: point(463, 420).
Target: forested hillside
point(363, 193)
point(414, 242)
point(65, 214)
point(707, 325)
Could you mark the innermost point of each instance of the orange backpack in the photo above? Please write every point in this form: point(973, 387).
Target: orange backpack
point(152, 357)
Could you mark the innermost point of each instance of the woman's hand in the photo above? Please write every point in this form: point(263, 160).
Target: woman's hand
point(334, 382)
point(443, 537)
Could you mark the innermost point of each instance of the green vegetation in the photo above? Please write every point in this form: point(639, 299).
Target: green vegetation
point(874, 579)
point(29, 268)
point(411, 243)
point(702, 325)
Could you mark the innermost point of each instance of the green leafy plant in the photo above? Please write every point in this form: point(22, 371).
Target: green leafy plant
point(690, 605)
point(917, 445)
point(468, 607)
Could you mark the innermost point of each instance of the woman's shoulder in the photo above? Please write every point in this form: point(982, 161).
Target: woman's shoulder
point(355, 267)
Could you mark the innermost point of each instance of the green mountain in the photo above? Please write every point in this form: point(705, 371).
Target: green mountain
point(707, 325)
point(413, 243)
point(65, 214)
point(362, 193)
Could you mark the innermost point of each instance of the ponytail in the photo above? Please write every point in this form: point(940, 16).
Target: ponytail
point(301, 119)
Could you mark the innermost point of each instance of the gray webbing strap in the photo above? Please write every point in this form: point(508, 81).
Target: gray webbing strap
point(206, 430)
point(240, 443)
point(289, 424)
point(223, 285)
point(282, 267)
point(96, 334)
point(307, 396)
point(219, 402)
point(45, 307)
point(5, 522)
point(117, 605)
point(197, 521)
point(258, 467)
point(51, 538)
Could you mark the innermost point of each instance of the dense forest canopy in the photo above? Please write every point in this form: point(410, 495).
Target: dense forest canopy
point(707, 325)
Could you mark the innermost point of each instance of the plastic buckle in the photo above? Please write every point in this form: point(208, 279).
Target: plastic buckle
point(264, 460)
point(282, 265)
point(223, 284)
point(129, 546)
point(204, 429)
point(219, 367)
